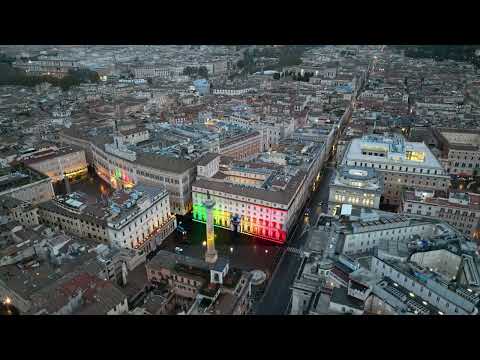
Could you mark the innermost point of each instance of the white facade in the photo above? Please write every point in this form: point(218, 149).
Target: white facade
point(448, 301)
point(153, 217)
point(463, 216)
point(142, 225)
point(400, 163)
point(232, 92)
point(355, 186)
point(370, 237)
point(108, 165)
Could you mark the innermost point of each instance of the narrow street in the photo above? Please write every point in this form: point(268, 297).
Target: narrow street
point(277, 295)
point(276, 298)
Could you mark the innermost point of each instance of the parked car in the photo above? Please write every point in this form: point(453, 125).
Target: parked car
point(178, 250)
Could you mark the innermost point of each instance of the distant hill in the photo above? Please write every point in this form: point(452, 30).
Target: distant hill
point(442, 52)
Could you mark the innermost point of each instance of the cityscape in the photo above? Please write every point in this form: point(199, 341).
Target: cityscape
point(239, 180)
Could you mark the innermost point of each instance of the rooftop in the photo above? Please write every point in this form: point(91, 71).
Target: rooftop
point(359, 177)
point(392, 150)
point(49, 154)
point(283, 196)
point(340, 296)
point(17, 176)
point(469, 201)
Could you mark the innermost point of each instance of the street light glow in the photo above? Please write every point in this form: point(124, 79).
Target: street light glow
point(204, 243)
point(7, 301)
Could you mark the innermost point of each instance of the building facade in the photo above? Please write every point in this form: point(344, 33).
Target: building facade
point(139, 219)
point(399, 162)
point(459, 209)
point(202, 288)
point(26, 185)
point(242, 147)
point(423, 284)
point(259, 201)
point(123, 168)
point(460, 150)
point(356, 186)
point(47, 66)
point(60, 163)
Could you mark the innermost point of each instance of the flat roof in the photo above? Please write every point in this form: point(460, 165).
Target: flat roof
point(165, 163)
point(340, 296)
point(355, 153)
point(275, 196)
point(207, 158)
point(50, 154)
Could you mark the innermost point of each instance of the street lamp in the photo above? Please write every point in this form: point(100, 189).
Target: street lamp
point(7, 301)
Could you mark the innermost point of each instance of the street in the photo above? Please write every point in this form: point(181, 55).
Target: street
point(277, 295)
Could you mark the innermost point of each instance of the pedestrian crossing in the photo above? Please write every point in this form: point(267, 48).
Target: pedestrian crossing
point(295, 250)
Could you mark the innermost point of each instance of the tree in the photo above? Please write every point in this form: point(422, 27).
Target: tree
point(189, 71)
point(440, 52)
point(203, 72)
point(84, 75)
point(6, 59)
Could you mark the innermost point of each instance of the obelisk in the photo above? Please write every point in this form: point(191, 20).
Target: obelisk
point(211, 255)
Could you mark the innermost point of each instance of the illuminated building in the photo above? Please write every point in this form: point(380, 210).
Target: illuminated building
point(356, 186)
point(259, 199)
point(138, 219)
point(399, 162)
point(459, 209)
point(138, 157)
point(47, 66)
point(67, 162)
point(123, 168)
